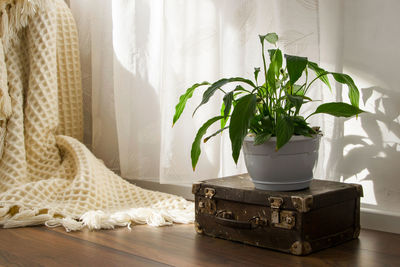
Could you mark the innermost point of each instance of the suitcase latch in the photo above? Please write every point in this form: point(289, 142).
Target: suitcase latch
point(209, 192)
point(281, 218)
point(207, 204)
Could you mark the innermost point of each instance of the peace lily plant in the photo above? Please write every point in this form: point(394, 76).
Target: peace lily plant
point(271, 108)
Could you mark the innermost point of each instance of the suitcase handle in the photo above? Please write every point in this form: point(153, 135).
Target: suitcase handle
point(233, 223)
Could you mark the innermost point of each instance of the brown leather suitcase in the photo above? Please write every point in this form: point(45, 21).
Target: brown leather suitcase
point(297, 222)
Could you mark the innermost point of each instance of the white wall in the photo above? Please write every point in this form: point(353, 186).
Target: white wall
point(366, 150)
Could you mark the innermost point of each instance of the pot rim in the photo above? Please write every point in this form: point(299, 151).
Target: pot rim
point(294, 138)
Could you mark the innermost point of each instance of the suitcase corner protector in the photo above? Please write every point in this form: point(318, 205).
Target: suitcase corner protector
point(198, 228)
point(359, 190)
point(356, 233)
point(302, 204)
point(300, 248)
point(196, 187)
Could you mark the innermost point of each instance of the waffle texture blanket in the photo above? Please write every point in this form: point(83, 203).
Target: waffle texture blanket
point(47, 176)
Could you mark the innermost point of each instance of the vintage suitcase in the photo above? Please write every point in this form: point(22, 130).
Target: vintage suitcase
point(297, 222)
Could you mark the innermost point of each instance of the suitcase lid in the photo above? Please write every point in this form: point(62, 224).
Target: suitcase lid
point(240, 188)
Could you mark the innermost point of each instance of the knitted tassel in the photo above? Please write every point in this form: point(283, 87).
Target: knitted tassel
point(151, 216)
point(68, 223)
point(25, 217)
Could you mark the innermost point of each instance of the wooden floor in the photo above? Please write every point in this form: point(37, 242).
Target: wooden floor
point(178, 245)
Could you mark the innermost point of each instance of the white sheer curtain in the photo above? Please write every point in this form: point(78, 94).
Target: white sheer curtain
point(140, 55)
point(144, 54)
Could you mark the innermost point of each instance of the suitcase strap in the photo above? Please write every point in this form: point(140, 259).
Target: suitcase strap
point(234, 224)
point(225, 218)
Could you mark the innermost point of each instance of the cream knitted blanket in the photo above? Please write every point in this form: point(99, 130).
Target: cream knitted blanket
point(46, 175)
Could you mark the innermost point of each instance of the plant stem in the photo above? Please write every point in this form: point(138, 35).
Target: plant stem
point(306, 77)
point(269, 105)
point(325, 73)
point(222, 90)
point(299, 89)
point(297, 111)
point(309, 116)
point(265, 69)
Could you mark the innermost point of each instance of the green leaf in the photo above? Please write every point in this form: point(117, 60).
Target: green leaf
point(228, 98)
point(338, 109)
point(183, 99)
point(354, 95)
point(295, 66)
point(299, 120)
point(214, 134)
point(274, 67)
point(297, 101)
point(267, 123)
point(284, 131)
point(276, 56)
point(227, 103)
point(298, 90)
point(255, 124)
point(261, 138)
point(321, 73)
point(271, 76)
point(215, 86)
point(240, 121)
point(271, 38)
point(256, 72)
point(223, 120)
point(195, 152)
point(262, 91)
point(301, 127)
point(239, 89)
point(226, 108)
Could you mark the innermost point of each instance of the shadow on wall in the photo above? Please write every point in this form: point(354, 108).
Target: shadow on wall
point(372, 161)
point(136, 105)
point(138, 123)
point(140, 134)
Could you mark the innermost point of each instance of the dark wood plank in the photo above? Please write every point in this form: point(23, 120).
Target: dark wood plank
point(39, 246)
point(178, 245)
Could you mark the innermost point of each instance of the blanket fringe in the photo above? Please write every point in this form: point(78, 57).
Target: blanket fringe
point(150, 216)
point(68, 223)
point(24, 217)
point(96, 220)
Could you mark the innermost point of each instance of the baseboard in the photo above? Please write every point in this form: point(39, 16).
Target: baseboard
point(180, 190)
point(370, 218)
point(380, 220)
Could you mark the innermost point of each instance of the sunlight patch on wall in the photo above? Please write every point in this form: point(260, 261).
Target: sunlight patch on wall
point(349, 147)
point(368, 186)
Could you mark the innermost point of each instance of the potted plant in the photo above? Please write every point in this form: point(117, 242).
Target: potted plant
point(280, 148)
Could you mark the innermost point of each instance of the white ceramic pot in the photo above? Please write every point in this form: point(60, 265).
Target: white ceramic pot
point(290, 168)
